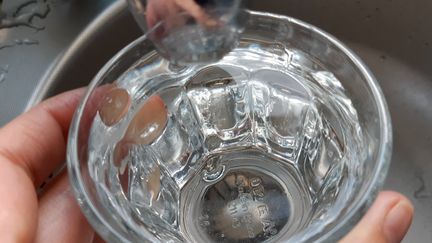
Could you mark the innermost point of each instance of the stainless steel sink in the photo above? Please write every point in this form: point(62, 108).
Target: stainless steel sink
point(393, 37)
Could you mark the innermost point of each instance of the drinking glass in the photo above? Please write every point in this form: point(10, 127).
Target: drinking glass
point(286, 138)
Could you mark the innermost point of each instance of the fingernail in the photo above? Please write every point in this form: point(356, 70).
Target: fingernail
point(114, 106)
point(149, 122)
point(398, 221)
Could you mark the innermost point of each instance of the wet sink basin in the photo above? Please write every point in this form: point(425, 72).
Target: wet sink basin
point(390, 36)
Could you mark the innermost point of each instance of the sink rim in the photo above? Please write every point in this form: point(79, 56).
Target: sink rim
point(55, 69)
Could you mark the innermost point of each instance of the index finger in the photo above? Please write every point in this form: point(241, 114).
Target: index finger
point(36, 140)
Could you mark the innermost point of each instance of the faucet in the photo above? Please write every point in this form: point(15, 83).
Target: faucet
point(190, 31)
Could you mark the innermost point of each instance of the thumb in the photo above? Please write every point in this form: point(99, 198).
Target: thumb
point(387, 221)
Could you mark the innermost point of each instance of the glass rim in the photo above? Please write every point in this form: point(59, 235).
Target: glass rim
point(336, 232)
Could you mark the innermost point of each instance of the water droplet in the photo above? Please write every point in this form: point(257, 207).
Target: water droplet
point(25, 14)
point(3, 73)
point(19, 42)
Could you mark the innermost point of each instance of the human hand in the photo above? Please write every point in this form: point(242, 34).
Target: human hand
point(34, 144)
point(31, 147)
point(387, 221)
point(167, 11)
point(166, 16)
